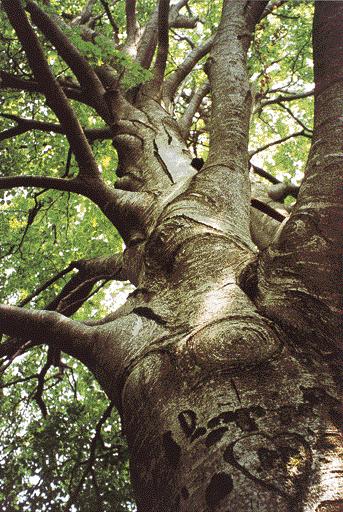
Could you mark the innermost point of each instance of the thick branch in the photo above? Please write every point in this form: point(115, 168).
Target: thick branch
point(73, 185)
point(12, 132)
point(254, 12)
point(163, 42)
point(55, 96)
point(45, 327)
point(147, 44)
point(183, 22)
point(280, 191)
point(131, 22)
point(78, 64)
point(148, 41)
point(73, 294)
point(125, 210)
point(227, 162)
point(175, 79)
point(88, 344)
point(231, 96)
point(298, 282)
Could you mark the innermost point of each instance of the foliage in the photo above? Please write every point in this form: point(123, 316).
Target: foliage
point(42, 460)
point(281, 61)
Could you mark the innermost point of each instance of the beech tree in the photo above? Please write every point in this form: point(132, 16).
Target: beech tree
point(223, 362)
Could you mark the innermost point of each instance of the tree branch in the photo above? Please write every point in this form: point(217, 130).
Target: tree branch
point(76, 291)
point(124, 209)
point(231, 96)
point(55, 96)
point(264, 174)
point(131, 22)
point(85, 14)
point(279, 191)
point(89, 463)
point(174, 80)
point(8, 81)
point(183, 22)
point(183, 37)
point(186, 120)
point(38, 396)
point(12, 132)
point(46, 285)
point(78, 64)
point(73, 185)
point(272, 6)
point(25, 125)
point(163, 43)
point(66, 185)
point(265, 208)
point(263, 227)
point(72, 296)
point(111, 20)
point(281, 99)
point(227, 161)
point(45, 327)
point(298, 284)
point(254, 12)
point(148, 41)
point(296, 119)
point(302, 133)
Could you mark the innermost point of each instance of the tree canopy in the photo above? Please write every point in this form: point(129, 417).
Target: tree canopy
point(61, 441)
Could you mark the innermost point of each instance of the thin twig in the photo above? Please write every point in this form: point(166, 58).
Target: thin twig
point(92, 455)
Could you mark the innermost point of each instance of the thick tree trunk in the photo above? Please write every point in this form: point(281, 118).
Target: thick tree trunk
point(222, 361)
point(223, 409)
point(221, 412)
point(261, 439)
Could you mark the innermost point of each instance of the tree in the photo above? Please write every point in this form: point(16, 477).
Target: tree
point(223, 363)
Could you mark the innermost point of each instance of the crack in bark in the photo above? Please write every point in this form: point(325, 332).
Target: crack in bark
point(147, 312)
point(161, 162)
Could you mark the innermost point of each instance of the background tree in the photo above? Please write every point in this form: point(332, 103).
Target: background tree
point(222, 364)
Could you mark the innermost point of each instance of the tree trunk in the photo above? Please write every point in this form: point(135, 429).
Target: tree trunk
point(223, 361)
point(261, 439)
point(223, 408)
